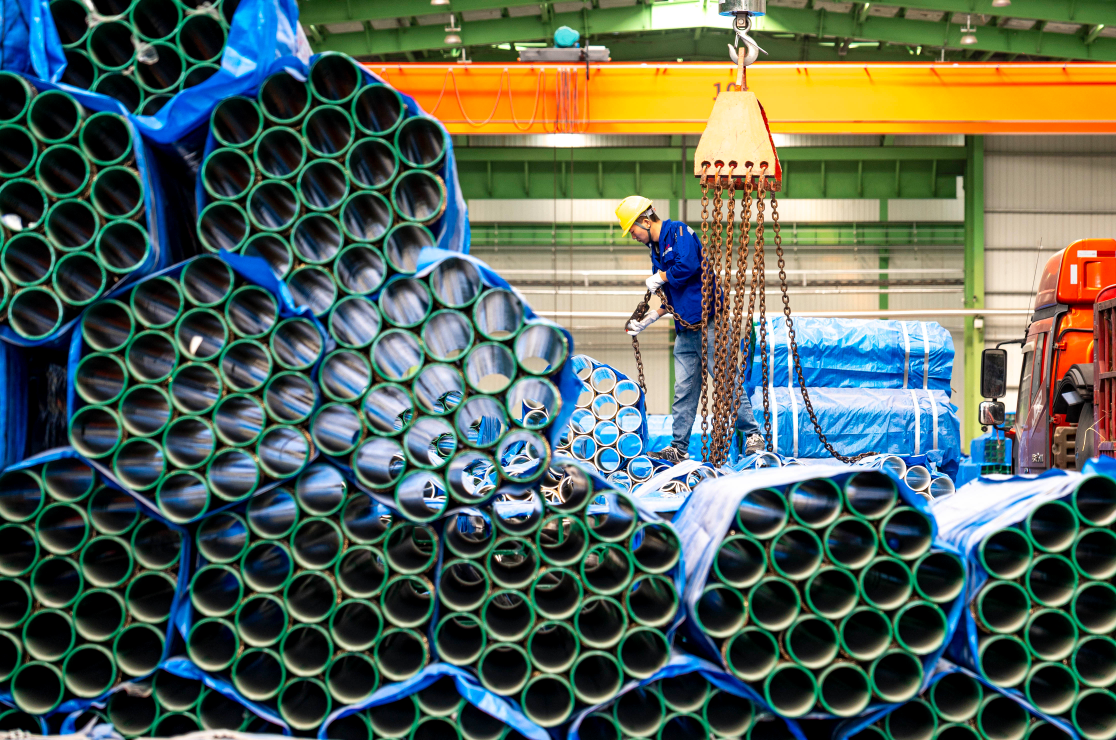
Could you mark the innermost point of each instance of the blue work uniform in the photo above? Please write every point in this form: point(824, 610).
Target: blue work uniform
point(678, 255)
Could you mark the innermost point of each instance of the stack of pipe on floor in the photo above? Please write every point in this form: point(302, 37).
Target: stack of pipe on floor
point(555, 600)
point(88, 585)
point(72, 213)
point(141, 52)
point(604, 429)
point(827, 594)
point(330, 179)
point(312, 597)
point(1046, 616)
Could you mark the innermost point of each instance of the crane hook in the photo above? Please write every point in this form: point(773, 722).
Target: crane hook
point(742, 25)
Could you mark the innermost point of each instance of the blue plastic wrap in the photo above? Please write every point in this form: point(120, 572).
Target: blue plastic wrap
point(252, 269)
point(857, 420)
point(851, 727)
point(710, 512)
point(154, 216)
point(74, 705)
point(683, 664)
point(451, 232)
point(859, 353)
point(489, 703)
point(28, 40)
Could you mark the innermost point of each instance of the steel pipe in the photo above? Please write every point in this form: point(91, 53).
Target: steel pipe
point(232, 474)
point(939, 576)
point(328, 131)
point(155, 545)
point(316, 238)
point(790, 690)
point(19, 550)
point(403, 244)
point(1002, 606)
point(89, 671)
point(122, 247)
point(316, 543)
point(201, 38)
point(194, 76)
point(165, 73)
point(918, 478)
point(78, 279)
point(110, 46)
point(95, 431)
point(815, 503)
point(378, 110)
point(130, 714)
point(188, 443)
point(684, 727)
point(56, 582)
point(359, 268)
point(320, 491)
point(1051, 687)
point(175, 693)
point(1051, 526)
point(62, 528)
point(216, 590)
point(400, 654)
point(1094, 500)
point(322, 185)
point(63, 171)
point(447, 334)
point(15, 602)
point(48, 635)
point(920, 627)
point(557, 594)
point(851, 542)
point(411, 548)
point(811, 642)
point(1094, 607)
point(311, 596)
point(595, 677)
point(237, 122)
point(18, 150)
point(886, 583)
point(245, 366)
point(283, 451)
point(896, 676)
point(956, 697)
point(223, 225)
point(1094, 553)
point(54, 116)
point(1051, 580)
point(313, 287)
point(306, 649)
point(1003, 659)
point(763, 513)
point(1001, 717)
point(940, 486)
point(547, 700)
point(222, 538)
point(906, 533)
point(145, 410)
point(35, 313)
point(27, 259)
point(1094, 661)
point(283, 99)
point(227, 174)
point(17, 95)
point(844, 690)
point(23, 203)
point(1050, 634)
point(796, 553)
point(460, 639)
point(914, 720)
point(304, 703)
point(70, 20)
point(832, 593)
point(1094, 714)
point(773, 603)
point(372, 163)
point(351, 678)
point(865, 633)
point(720, 611)
point(419, 196)
point(1006, 554)
point(870, 494)
point(394, 719)
point(261, 619)
point(606, 569)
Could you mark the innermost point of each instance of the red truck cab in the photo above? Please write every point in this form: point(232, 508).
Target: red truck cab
point(1056, 390)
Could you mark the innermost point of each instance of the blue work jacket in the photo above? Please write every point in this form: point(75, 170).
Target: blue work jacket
point(678, 254)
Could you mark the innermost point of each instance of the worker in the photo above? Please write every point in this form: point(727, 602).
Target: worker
point(676, 268)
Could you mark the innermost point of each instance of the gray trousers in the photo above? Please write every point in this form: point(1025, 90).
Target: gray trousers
point(687, 388)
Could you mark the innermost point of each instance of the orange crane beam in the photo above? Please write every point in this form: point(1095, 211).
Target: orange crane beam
point(802, 98)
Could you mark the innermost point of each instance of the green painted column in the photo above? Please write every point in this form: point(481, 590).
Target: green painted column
point(885, 257)
point(974, 282)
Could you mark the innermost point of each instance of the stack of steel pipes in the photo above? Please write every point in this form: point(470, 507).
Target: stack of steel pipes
point(167, 704)
point(88, 585)
point(827, 592)
point(72, 214)
point(681, 707)
point(196, 391)
point(435, 712)
point(1046, 616)
point(141, 52)
point(311, 596)
point(331, 180)
point(556, 601)
point(956, 706)
point(604, 431)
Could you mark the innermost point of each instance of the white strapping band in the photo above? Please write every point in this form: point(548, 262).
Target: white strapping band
point(906, 353)
point(925, 357)
point(917, 424)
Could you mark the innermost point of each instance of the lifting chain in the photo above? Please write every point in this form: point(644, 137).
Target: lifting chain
point(723, 297)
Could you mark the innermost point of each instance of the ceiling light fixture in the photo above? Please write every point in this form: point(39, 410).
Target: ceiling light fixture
point(439, 2)
point(1000, 3)
point(968, 37)
point(453, 32)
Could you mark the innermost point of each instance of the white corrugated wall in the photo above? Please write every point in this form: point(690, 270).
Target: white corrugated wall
point(1041, 193)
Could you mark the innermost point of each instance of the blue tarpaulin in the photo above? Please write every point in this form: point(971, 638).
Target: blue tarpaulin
point(856, 420)
point(858, 353)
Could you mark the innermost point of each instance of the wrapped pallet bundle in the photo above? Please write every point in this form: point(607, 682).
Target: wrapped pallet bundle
point(857, 420)
point(859, 353)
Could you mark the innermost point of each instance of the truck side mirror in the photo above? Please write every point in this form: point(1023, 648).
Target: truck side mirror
point(993, 373)
point(991, 414)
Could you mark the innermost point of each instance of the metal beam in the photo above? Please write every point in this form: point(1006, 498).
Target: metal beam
point(686, 15)
point(1089, 12)
point(671, 154)
point(974, 283)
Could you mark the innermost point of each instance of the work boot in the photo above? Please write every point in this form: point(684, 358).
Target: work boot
point(671, 455)
point(755, 444)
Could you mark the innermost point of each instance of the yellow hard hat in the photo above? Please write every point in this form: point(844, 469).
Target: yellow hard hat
point(630, 209)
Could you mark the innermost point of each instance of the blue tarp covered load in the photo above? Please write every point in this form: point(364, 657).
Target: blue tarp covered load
point(857, 420)
point(858, 353)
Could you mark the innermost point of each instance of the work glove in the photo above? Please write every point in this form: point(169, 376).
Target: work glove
point(656, 281)
point(635, 327)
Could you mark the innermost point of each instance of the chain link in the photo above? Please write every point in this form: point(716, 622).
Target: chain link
point(723, 298)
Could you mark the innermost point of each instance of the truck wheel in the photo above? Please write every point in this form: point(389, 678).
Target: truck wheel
point(1086, 444)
